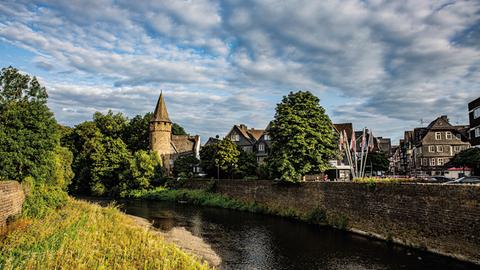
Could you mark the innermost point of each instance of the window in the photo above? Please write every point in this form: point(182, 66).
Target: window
point(439, 148)
point(448, 135)
point(456, 148)
point(477, 132)
point(432, 162)
point(476, 113)
point(431, 148)
point(235, 137)
point(438, 135)
point(261, 147)
point(266, 137)
point(424, 162)
point(440, 162)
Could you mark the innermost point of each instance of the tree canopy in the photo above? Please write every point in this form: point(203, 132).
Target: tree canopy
point(223, 155)
point(28, 129)
point(303, 138)
point(467, 158)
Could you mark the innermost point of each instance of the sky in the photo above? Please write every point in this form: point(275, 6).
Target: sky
point(386, 65)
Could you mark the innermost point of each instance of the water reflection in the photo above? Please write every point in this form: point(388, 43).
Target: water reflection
point(252, 241)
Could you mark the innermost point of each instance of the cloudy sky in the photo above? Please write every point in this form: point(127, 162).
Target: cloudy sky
point(380, 64)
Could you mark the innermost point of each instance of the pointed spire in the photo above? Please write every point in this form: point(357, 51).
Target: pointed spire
point(161, 113)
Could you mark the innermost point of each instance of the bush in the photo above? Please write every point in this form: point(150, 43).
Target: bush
point(42, 198)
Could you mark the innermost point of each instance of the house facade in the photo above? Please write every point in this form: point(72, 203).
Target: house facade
point(251, 140)
point(435, 145)
point(474, 120)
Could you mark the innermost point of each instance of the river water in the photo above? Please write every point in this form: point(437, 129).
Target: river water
point(254, 241)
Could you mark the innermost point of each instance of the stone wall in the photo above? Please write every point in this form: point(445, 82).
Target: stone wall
point(441, 218)
point(11, 200)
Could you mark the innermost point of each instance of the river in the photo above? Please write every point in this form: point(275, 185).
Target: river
point(254, 241)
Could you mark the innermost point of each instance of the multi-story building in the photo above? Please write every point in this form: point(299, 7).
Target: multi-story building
point(435, 145)
point(474, 118)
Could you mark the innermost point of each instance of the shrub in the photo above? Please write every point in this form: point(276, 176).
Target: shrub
point(42, 198)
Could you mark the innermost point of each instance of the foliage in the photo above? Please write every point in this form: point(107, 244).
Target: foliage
point(28, 130)
point(136, 134)
point(384, 180)
point(42, 198)
point(224, 154)
point(63, 167)
point(183, 166)
point(302, 135)
point(247, 165)
point(467, 158)
point(110, 124)
point(86, 236)
point(378, 161)
point(178, 130)
point(144, 168)
point(111, 161)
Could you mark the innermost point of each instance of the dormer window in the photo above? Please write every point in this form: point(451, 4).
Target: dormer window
point(438, 136)
point(448, 135)
point(235, 137)
point(261, 147)
point(266, 137)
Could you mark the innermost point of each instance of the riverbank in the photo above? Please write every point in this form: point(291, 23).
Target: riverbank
point(424, 216)
point(82, 235)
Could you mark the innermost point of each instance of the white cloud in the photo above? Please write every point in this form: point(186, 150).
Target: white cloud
point(392, 61)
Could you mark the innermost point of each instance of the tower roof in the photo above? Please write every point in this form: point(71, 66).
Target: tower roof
point(160, 113)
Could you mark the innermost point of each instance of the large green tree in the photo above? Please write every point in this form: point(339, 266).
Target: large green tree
point(183, 166)
point(28, 130)
point(303, 138)
point(111, 124)
point(222, 156)
point(377, 162)
point(137, 133)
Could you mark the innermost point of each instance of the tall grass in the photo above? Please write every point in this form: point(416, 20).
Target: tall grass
point(81, 235)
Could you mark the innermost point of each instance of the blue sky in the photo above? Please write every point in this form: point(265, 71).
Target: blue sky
point(380, 64)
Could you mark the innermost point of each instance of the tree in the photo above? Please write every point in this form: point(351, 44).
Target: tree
point(110, 124)
point(303, 138)
point(467, 158)
point(183, 166)
point(223, 155)
point(178, 130)
point(144, 169)
point(137, 133)
point(28, 130)
point(247, 164)
point(378, 161)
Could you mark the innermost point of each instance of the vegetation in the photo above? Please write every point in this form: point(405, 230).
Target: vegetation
point(205, 198)
point(183, 166)
point(178, 130)
point(222, 156)
point(28, 130)
point(81, 235)
point(383, 180)
point(303, 138)
point(467, 158)
point(378, 161)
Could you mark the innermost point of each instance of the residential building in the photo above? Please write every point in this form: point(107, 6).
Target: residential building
point(244, 137)
point(436, 144)
point(169, 147)
point(262, 145)
point(474, 119)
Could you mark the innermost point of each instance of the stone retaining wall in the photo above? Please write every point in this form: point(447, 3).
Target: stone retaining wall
point(11, 200)
point(441, 218)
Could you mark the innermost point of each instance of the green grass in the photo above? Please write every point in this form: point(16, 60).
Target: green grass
point(81, 235)
point(205, 198)
point(384, 180)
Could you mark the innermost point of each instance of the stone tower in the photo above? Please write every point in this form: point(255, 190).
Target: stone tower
point(161, 133)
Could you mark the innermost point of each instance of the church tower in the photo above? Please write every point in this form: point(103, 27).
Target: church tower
point(161, 132)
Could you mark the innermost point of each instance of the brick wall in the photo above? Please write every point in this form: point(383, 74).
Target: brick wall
point(11, 200)
point(441, 218)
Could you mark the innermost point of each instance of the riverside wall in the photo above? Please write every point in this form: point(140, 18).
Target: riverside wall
point(444, 219)
point(11, 200)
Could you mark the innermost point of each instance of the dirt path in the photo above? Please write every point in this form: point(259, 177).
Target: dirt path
point(185, 240)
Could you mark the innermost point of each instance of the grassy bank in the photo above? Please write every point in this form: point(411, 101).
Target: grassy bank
point(81, 235)
point(204, 198)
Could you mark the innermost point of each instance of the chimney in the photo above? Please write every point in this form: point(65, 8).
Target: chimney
point(444, 117)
